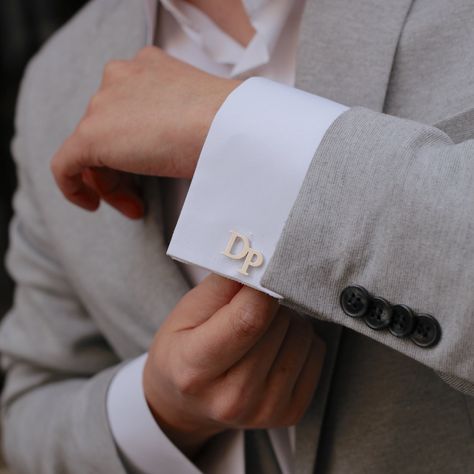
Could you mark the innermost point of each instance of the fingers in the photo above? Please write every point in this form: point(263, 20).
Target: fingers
point(86, 186)
point(274, 382)
point(243, 386)
point(67, 171)
point(118, 189)
point(307, 382)
point(292, 355)
point(285, 371)
point(84, 180)
point(199, 304)
point(252, 370)
point(232, 331)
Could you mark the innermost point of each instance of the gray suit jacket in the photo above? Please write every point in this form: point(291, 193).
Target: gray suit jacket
point(388, 203)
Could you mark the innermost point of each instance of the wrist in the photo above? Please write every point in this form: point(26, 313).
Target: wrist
point(220, 89)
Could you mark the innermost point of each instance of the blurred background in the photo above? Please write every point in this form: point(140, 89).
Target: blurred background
point(24, 26)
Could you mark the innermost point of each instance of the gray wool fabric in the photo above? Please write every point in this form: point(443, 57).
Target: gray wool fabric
point(387, 204)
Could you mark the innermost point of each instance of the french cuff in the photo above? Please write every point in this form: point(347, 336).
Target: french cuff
point(138, 437)
point(249, 174)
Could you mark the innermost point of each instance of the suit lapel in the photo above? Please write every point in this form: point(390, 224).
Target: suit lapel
point(346, 52)
point(347, 49)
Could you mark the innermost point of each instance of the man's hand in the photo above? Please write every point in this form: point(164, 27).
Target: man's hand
point(229, 357)
point(150, 116)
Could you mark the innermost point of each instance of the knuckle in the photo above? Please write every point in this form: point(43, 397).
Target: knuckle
point(229, 408)
point(247, 321)
point(84, 132)
point(113, 67)
point(147, 52)
point(94, 104)
point(187, 381)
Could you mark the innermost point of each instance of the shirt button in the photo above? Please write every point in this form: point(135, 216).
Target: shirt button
point(355, 301)
point(379, 314)
point(427, 332)
point(403, 321)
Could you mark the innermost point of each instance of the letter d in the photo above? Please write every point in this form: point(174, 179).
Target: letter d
point(230, 244)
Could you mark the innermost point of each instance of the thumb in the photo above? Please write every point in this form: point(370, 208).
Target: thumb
point(199, 304)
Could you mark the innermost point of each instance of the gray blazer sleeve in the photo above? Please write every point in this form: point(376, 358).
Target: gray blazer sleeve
point(388, 204)
point(58, 367)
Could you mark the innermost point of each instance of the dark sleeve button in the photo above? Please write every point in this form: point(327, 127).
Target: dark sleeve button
point(403, 321)
point(427, 331)
point(355, 301)
point(379, 314)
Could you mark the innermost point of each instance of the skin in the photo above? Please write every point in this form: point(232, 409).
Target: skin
point(228, 356)
point(150, 116)
point(232, 19)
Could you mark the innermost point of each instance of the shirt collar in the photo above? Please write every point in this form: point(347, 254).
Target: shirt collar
point(268, 17)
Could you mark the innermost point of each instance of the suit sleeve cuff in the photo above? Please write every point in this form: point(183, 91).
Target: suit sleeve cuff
point(249, 174)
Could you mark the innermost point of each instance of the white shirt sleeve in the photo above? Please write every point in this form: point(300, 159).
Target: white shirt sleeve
point(145, 447)
point(250, 171)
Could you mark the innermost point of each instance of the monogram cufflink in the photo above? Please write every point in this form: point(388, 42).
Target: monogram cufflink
point(251, 257)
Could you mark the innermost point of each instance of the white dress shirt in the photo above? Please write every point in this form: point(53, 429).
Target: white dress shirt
point(249, 173)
